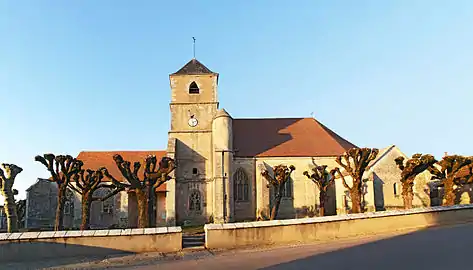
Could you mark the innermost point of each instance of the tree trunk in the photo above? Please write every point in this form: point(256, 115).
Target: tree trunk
point(449, 192)
point(61, 198)
point(322, 199)
point(151, 207)
point(407, 198)
point(142, 202)
point(86, 202)
point(10, 210)
point(355, 195)
point(277, 202)
point(407, 194)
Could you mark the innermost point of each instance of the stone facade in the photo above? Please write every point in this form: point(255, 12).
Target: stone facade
point(382, 187)
point(41, 202)
point(301, 198)
point(41, 206)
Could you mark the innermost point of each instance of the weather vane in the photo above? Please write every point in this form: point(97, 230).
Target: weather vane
point(194, 46)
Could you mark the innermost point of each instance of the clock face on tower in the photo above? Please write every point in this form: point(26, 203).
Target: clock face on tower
point(192, 122)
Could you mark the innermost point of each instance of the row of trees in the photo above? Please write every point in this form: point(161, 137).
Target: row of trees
point(68, 173)
point(452, 171)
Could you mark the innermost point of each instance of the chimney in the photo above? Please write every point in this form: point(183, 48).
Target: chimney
point(445, 154)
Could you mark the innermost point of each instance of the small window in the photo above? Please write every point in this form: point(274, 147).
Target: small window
point(396, 189)
point(194, 171)
point(193, 88)
point(107, 207)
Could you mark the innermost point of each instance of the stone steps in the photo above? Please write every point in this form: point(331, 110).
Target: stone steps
point(193, 241)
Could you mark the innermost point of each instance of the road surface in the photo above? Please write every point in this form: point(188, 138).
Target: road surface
point(440, 248)
point(444, 248)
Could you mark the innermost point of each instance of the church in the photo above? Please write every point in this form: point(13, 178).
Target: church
point(220, 158)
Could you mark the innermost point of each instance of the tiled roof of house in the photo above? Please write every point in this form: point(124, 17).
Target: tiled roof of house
point(193, 67)
point(96, 159)
point(286, 137)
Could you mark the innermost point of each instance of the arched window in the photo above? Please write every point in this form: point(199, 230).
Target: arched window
point(195, 201)
point(241, 185)
point(287, 192)
point(193, 88)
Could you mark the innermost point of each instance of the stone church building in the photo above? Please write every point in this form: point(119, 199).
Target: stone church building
point(218, 178)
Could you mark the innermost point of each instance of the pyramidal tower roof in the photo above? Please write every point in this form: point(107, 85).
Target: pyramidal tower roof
point(193, 67)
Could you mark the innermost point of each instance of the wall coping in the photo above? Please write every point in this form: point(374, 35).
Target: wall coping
point(87, 233)
point(298, 221)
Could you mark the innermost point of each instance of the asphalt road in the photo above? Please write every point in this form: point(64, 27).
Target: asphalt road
point(442, 248)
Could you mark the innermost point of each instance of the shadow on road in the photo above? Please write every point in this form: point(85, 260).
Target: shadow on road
point(50, 254)
point(439, 248)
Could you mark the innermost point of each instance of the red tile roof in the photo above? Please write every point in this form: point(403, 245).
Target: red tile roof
point(286, 137)
point(96, 159)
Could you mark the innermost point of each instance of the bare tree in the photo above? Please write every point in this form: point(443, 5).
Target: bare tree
point(155, 175)
point(281, 174)
point(7, 179)
point(62, 169)
point(144, 189)
point(409, 171)
point(355, 161)
point(323, 180)
point(86, 183)
point(452, 172)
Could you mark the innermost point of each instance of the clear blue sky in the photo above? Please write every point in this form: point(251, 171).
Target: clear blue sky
point(93, 75)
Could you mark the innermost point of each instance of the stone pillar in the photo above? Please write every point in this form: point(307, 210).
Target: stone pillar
point(171, 187)
point(263, 198)
point(218, 210)
point(222, 173)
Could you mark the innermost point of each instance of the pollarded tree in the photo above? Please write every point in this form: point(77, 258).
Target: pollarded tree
point(355, 161)
point(281, 174)
point(323, 179)
point(144, 189)
point(86, 183)
point(155, 175)
point(451, 173)
point(62, 169)
point(7, 179)
point(409, 171)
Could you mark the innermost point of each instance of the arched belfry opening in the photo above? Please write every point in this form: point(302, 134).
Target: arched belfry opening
point(193, 88)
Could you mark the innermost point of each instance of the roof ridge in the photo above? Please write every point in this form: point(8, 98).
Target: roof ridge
point(380, 156)
point(328, 130)
point(193, 67)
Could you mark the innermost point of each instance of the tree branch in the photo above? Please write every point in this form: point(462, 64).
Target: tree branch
point(111, 194)
point(344, 182)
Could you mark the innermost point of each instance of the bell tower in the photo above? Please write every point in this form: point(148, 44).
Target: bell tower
point(193, 106)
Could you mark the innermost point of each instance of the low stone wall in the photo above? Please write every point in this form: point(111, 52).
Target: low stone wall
point(30, 246)
point(226, 236)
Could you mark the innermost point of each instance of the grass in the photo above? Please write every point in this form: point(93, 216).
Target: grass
point(193, 229)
